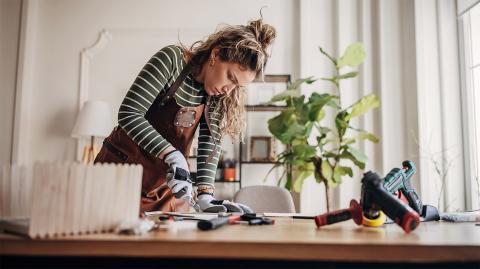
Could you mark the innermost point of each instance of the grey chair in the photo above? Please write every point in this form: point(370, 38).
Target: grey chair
point(266, 199)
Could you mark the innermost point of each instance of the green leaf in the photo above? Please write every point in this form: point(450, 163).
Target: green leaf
point(288, 184)
point(279, 125)
point(332, 59)
point(344, 170)
point(296, 84)
point(358, 154)
point(363, 105)
point(347, 141)
point(316, 103)
point(294, 131)
point(353, 56)
point(317, 115)
point(327, 171)
point(347, 75)
point(318, 174)
point(340, 171)
point(301, 108)
point(297, 186)
point(334, 104)
point(368, 136)
point(304, 152)
point(335, 79)
point(341, 123)
point(355, 155)
point(329, 154)
point(323, 130)
point(349, 156)
point(335, 141)
point(303, 173)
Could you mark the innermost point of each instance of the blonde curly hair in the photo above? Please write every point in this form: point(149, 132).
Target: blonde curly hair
point(245, 45)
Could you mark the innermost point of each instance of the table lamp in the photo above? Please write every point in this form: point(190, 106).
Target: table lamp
point(94, 120)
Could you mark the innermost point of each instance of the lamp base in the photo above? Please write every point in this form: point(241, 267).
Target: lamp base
point(89, 154)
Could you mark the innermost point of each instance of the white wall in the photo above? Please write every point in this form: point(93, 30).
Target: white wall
point(9, 33)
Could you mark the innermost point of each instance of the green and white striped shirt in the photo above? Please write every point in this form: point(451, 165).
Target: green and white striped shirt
point(157, 75)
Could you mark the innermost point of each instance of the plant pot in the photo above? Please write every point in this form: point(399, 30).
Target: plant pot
point(229, 174)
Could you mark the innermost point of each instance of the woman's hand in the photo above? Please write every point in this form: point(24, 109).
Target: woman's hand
point(178, 175)
point(208, 203)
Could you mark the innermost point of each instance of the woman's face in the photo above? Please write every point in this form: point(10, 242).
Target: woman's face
point(222, 77)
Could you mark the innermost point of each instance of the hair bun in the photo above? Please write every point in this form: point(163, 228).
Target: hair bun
point(264, 33)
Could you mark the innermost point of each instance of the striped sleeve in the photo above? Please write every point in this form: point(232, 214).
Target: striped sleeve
point(159, 72)
point(206, 145)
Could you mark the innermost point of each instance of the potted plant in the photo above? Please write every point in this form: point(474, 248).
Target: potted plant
point(333, 154)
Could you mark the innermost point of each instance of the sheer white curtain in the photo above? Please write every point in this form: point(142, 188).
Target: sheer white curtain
point(412, 65)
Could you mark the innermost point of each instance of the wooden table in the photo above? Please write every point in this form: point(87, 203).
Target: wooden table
point(288, 239)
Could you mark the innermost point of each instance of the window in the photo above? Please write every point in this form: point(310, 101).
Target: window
point(469, 23)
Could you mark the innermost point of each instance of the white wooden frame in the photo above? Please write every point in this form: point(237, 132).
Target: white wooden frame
point(470, 160)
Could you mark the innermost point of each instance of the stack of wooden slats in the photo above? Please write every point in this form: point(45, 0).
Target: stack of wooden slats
point(50, 199)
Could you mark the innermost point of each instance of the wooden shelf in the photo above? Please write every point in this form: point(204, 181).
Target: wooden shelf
point(259, 162)
point(264, 108)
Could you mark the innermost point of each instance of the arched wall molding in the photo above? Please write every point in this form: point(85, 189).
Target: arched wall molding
point(106, 38)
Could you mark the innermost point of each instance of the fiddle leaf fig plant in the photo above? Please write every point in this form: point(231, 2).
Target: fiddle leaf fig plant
point(333, 154)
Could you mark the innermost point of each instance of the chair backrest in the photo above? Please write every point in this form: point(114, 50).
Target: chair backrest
point(266, 199)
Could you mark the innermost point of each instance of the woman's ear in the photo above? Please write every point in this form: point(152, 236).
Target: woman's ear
point(214, 53)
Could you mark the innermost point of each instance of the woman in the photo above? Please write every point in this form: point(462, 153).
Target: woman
point(178, 90)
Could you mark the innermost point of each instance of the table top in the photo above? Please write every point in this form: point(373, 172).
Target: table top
point(287, 239)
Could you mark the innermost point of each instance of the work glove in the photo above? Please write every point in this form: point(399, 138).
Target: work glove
point(178, 175)
point(208, 203)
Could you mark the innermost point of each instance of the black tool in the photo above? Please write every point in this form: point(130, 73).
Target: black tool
point(376, 198)
point(251, 218)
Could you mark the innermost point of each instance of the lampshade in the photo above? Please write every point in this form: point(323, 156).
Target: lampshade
point(94, 119)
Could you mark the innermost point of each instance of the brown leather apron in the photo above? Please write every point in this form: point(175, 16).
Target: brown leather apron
point(177, 125)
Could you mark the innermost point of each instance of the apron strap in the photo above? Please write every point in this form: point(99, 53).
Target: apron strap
point(163, 99)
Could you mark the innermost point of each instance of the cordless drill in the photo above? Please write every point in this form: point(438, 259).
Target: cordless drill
point(398, 182)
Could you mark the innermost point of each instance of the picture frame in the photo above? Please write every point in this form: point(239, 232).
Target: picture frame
point(261, 148)
point(261, 90)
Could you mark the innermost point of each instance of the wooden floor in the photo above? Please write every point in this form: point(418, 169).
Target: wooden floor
point(286, 240)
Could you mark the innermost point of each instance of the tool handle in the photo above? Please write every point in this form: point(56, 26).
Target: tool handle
point(353, 212)
point(413, 198)
point(212, 224)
